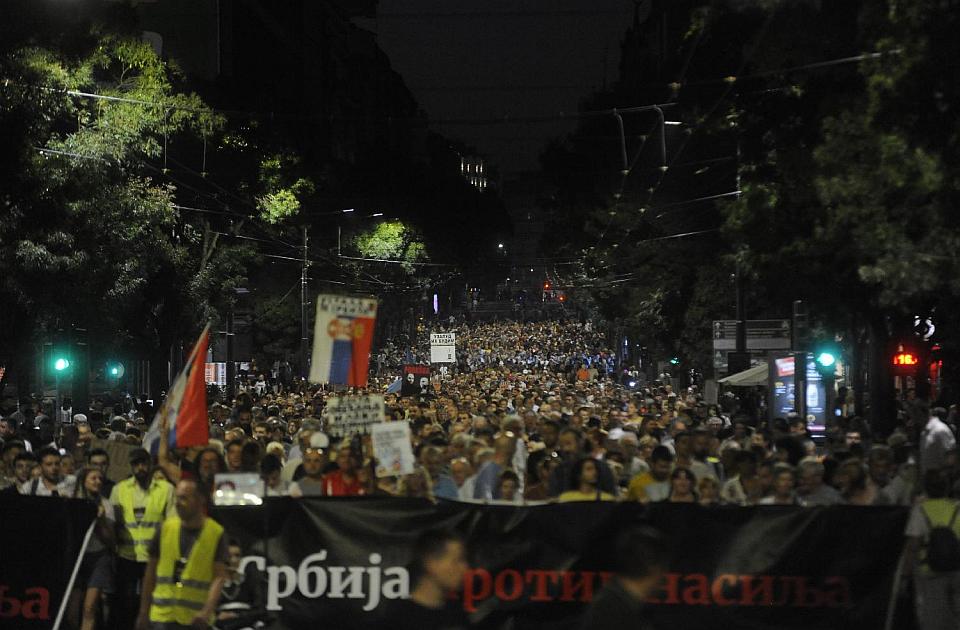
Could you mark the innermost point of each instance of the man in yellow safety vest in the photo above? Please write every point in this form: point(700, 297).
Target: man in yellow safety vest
point(187, 567)
point(141, 503)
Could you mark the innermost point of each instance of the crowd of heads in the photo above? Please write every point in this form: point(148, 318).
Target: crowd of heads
point(529, 411)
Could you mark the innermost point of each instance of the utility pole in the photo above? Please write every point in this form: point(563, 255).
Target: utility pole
point(304, 372)
point(739, 360)
point(799, 332)
point(231, 366)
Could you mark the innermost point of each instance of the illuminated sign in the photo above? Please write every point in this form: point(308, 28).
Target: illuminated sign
point(904, 359)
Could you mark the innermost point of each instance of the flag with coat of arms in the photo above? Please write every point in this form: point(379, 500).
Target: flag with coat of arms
point(342, 336)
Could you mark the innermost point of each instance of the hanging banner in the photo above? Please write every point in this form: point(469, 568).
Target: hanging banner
point(416, 381)
point(342, 334)
point(345, 416)
point(42, 541)
point(775, 568)
point(391, 448)
point(443, 348)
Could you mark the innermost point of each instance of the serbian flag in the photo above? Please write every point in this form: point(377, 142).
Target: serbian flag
point(185, 407)
point(342, 336)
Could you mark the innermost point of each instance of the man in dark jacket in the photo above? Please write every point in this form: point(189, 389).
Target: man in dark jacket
point(641, 560)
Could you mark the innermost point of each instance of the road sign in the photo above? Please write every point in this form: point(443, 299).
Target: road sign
point(762, 334)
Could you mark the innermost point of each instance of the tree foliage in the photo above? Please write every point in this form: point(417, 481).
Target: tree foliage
point(90, 233)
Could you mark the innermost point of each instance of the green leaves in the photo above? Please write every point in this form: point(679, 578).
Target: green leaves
point(393, 240)
point(282, 199)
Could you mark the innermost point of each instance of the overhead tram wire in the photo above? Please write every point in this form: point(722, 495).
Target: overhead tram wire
point(274, 117)
point(663, 148)
point(730, 83)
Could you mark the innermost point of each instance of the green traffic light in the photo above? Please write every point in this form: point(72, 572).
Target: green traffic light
point(114, 371)
point(826, 359)
point(675, 360)
point(61, 364)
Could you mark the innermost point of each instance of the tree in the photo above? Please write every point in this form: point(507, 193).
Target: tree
point(90, 233)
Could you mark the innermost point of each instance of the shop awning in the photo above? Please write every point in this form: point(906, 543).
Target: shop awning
point(757, 375)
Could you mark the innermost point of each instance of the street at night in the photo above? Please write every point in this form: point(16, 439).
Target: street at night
point(421, 314)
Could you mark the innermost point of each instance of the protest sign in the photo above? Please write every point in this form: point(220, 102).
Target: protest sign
point(443, 348)
point(391, 448)
point(416, 381)
point(346, 415)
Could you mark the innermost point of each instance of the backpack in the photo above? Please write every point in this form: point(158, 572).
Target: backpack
point(943, 548)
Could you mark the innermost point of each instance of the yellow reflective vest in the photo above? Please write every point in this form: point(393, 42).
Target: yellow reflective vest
point(181, 592)
point(135, 536)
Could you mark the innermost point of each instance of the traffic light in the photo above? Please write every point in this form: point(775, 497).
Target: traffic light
point(59, 360)
point(825, 357)
point(675, 361)
point(115, 370)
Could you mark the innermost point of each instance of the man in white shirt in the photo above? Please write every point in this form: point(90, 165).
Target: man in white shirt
point(50, 483)
point(936, 441)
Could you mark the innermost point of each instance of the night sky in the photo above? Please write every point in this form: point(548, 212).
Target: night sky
point(476, 61)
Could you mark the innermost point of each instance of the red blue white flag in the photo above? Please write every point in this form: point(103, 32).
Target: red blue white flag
point(342, 336)
point(185, 407)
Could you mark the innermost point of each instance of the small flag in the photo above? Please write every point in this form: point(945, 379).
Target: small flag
point(342, 335)
point(185, 407)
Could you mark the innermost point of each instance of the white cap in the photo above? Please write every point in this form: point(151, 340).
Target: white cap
point(319, 440)
point(79, 418)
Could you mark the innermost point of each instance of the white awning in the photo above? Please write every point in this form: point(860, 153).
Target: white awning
point(757, 375)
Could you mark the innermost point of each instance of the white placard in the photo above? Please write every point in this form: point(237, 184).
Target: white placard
point(391, 447)
point(238, 489)
point(443, 348)
point(346, 415)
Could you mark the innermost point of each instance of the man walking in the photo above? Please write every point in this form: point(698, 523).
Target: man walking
point(187, 566)
point(142, 503)
point(50, 483)
point(937, 588)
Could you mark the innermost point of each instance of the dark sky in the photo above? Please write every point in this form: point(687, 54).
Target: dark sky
point(496, 58)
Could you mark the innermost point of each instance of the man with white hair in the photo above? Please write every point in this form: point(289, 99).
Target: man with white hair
point(811, 488)
point(633, 464)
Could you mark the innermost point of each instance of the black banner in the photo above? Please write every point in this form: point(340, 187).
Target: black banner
point(341, 560)
point(40, 539)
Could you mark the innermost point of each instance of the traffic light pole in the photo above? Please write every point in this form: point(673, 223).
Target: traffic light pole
point(799, 383)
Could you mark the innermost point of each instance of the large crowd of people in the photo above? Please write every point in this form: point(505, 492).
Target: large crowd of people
point(530, 413)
